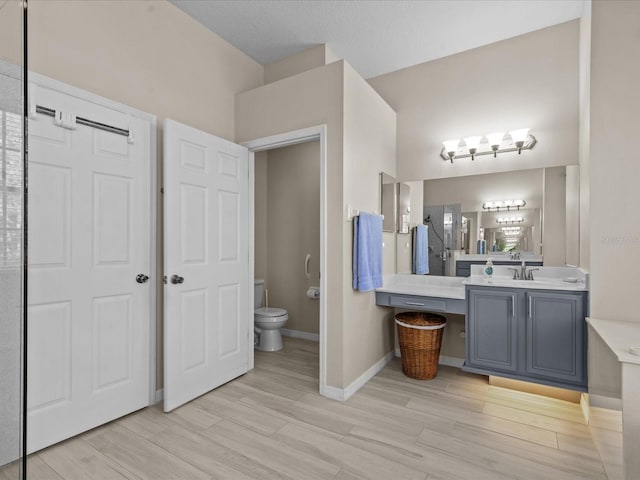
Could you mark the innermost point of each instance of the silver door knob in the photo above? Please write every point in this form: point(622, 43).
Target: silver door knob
point(142, 278)
point(175, 279)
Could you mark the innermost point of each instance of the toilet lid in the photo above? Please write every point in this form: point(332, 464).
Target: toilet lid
point(270, 311)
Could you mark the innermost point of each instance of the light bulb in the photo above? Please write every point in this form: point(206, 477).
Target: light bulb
point(495, 139)
point(451, 146)
point(519, 136)
point(472, 144)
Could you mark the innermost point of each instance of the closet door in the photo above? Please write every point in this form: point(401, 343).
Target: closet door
point(89, 239)
point(206, 244)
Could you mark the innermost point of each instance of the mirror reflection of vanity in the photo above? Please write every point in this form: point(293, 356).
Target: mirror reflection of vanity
point(545, 231)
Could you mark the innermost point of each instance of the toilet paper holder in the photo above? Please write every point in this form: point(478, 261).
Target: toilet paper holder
point(313, 292)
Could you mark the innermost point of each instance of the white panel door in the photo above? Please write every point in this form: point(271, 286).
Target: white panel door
point(206, 262)
point(89, 237)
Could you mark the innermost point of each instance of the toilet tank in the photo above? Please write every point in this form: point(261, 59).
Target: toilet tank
point(258, 292)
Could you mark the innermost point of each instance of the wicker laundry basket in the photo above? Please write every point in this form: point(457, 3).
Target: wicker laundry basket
point(420, 338)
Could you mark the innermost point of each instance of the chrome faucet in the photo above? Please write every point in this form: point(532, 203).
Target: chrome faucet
point(523, 270)
point(515, 273)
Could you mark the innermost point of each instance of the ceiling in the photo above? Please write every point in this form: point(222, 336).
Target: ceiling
point(374, 36)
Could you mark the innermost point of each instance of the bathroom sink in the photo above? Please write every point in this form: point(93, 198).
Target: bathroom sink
point(544, 283)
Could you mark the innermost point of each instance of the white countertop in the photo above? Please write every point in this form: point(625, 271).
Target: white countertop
point(620, 336)
point(424, 285)
point(546, 278)
point(498, 257)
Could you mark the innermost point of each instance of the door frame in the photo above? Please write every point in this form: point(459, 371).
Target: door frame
point(36, 79)
point(310, 134)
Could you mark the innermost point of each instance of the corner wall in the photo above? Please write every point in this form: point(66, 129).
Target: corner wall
point(369, 148)
point(615, 225)
point(310, 98)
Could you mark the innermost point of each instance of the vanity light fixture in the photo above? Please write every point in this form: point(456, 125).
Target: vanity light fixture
point(510, 230)
point(492, 143)
point(451, 147)
point(502, 220)
point(504, 204)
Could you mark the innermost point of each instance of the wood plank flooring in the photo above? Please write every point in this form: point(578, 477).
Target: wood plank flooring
point(272, 424)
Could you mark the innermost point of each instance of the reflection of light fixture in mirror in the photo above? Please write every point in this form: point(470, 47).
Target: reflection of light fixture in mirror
point(509, 220)
point(472, 144)
point(507, 230)
point(503, 204)
point(451, 147)
point(492, 143)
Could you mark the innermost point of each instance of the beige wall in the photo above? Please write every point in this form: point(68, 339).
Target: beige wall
point(293, 231)
point(572, 219)
point(360, 144)
point(584, 140)
point(148, 55)
point(301, 62)
point(615, 225)
point(369, 148)
point(554, 217)
point(11, 46)
point(530, 80)
point(304, 100)
point(472, 191)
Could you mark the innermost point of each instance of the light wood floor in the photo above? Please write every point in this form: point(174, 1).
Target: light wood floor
point(272, 424)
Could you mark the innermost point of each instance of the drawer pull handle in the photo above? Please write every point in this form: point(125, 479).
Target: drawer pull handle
point(415, 303)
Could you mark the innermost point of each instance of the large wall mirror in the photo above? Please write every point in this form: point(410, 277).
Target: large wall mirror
point(546, 229)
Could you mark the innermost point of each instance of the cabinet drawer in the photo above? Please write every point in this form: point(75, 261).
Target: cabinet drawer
point(421, 303)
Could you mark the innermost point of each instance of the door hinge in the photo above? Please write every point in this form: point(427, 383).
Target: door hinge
point(164, 279)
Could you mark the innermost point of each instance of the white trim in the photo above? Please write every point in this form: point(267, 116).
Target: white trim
point(443, 360)
point(158, 397)
point(314, 337)
point(251, 245)
point(344, 394)
point(35, 78)
point(294, 137)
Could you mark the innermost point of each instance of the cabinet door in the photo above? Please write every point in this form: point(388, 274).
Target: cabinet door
point(492, 329)
point(556, 336)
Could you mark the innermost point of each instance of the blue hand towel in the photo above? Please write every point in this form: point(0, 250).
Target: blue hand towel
point(420, 250)
point(367, 252)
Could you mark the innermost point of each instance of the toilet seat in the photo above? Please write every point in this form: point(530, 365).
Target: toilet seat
point(270, 312)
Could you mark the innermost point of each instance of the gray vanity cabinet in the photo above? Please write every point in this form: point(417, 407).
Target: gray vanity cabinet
point(492, 333)
point(555, 336)
point(532, 335)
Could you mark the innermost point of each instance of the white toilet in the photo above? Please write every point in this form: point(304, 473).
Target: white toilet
point(267, 321)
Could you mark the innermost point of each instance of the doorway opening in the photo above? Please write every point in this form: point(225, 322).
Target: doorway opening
point(315, 140)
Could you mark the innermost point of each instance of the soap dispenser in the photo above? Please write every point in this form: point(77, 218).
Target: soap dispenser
point(488, 269)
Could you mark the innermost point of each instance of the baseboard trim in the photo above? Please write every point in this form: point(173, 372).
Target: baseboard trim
point(600, 401)
point(314, 337)
point(341, 395)
point(444, 360)
point(159, 396)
